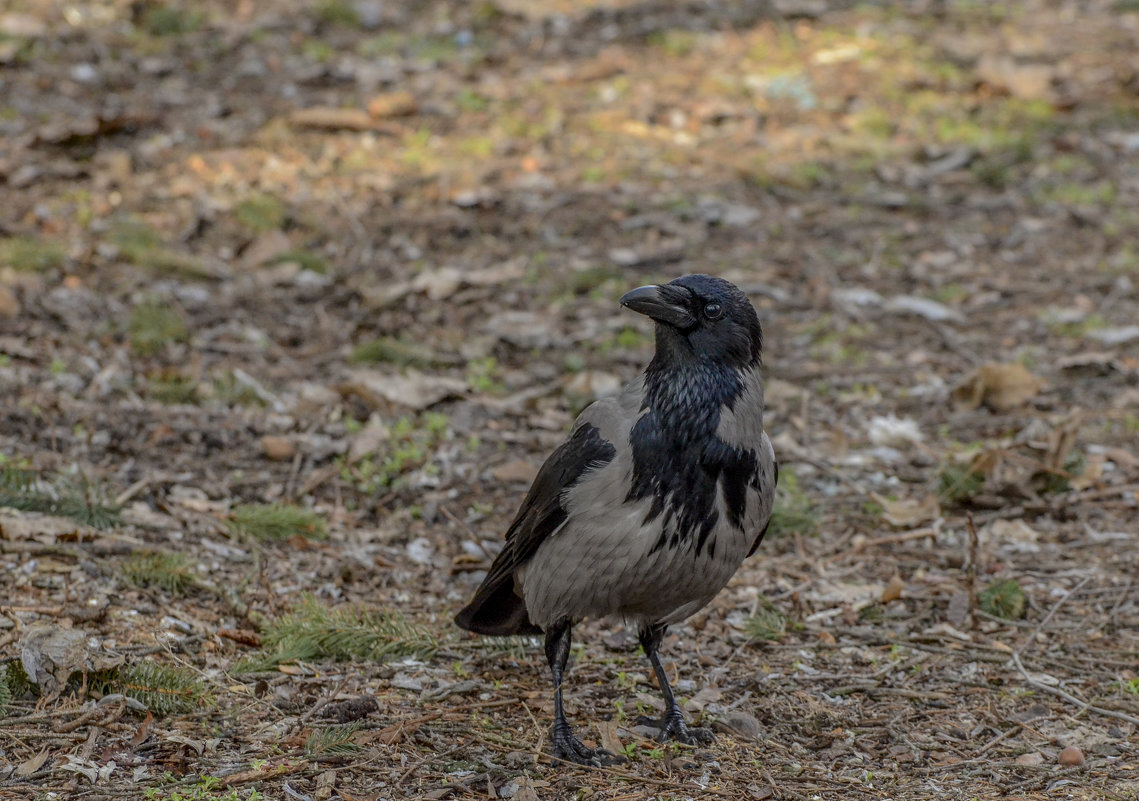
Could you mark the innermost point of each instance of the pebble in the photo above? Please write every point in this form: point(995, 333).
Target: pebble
point(1071, 756)
point(1031, 758)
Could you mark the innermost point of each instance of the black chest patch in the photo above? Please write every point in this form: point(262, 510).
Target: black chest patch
point(680, 463)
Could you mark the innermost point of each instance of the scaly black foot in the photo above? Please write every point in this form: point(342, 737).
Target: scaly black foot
point(571, 749)
point(673, 727)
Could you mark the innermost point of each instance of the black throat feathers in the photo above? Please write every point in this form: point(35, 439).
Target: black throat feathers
point(679, 461)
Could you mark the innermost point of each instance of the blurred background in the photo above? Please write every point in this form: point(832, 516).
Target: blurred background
point(296, 296)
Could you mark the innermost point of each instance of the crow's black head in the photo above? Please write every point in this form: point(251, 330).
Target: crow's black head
point(701, 318)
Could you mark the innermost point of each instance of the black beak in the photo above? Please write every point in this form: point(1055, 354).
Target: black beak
point(666, 304)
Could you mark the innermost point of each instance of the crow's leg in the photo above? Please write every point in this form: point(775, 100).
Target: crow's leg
point(566, 744)
point(672, 725)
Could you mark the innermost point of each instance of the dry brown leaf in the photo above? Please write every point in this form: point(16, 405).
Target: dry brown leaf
point(278, 449)
point(526, 791)
point(607, 733)
point(242, 636)
point(893, 590)
point(1000, 387)
point(393, 104)
point(25, 769)
point(414, 389)
point(517, 470)
point(908, 512)
point(143, 731)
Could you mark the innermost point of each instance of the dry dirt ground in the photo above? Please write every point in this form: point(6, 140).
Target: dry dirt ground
point(295, 297)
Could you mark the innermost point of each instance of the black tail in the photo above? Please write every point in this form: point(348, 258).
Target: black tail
point(496, 610)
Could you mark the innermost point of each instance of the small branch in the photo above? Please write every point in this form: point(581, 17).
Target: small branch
point(1071, 699)
point(971, 571)
point(1032, 637)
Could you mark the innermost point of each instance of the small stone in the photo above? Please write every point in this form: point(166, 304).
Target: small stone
point(1071, 756)
point(1032, 758)
point(421, 551)
point(84, 73)
point(279, 449)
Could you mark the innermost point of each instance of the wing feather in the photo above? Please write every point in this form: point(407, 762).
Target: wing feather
point(496, 608)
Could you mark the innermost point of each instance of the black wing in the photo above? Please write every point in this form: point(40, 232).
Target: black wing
point(496, 609)
point(759, 539)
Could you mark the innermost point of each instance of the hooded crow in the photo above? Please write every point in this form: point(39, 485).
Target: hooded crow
point(653, 502)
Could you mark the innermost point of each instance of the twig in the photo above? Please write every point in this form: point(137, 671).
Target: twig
point(971, 572)
point(620, 774)
point(1004, 735)
point(929, 532)
point(1071, 699)
point(1032, 637)
point(131, 491)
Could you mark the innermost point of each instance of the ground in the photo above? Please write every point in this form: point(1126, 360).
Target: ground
point(295, 297)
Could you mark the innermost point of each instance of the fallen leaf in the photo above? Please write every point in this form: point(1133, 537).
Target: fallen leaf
point(526, 791)
point(393, 104)
point(1030, 81)
point(25, 769)
point(923, 307)
point(607, 734)
point(743, 725)
point(279, 449)
point(242, 636)
point(414, 389)
point(1004, 532)
point(703, 697)
point(893, 590)
point(1000, 387)
point(517, 470)
point(895, 432)
point(908, 512)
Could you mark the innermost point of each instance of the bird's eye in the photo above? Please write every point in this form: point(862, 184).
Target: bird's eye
point(713, 311)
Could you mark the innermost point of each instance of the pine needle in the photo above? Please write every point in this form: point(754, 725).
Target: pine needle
point(768, 623)
point(314, 631)
point(5, 692)
point(22, 489)
point(794, 510)
point(1004, 598)
point(169, 571)
point(276, 521)
point(333, 740)
point(164, 689)
point(13, 677)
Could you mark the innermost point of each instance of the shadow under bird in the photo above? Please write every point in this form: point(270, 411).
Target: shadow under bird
point(651, 504)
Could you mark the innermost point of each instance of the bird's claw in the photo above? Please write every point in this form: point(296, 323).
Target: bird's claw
point(571, 749)
point(673, 727)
